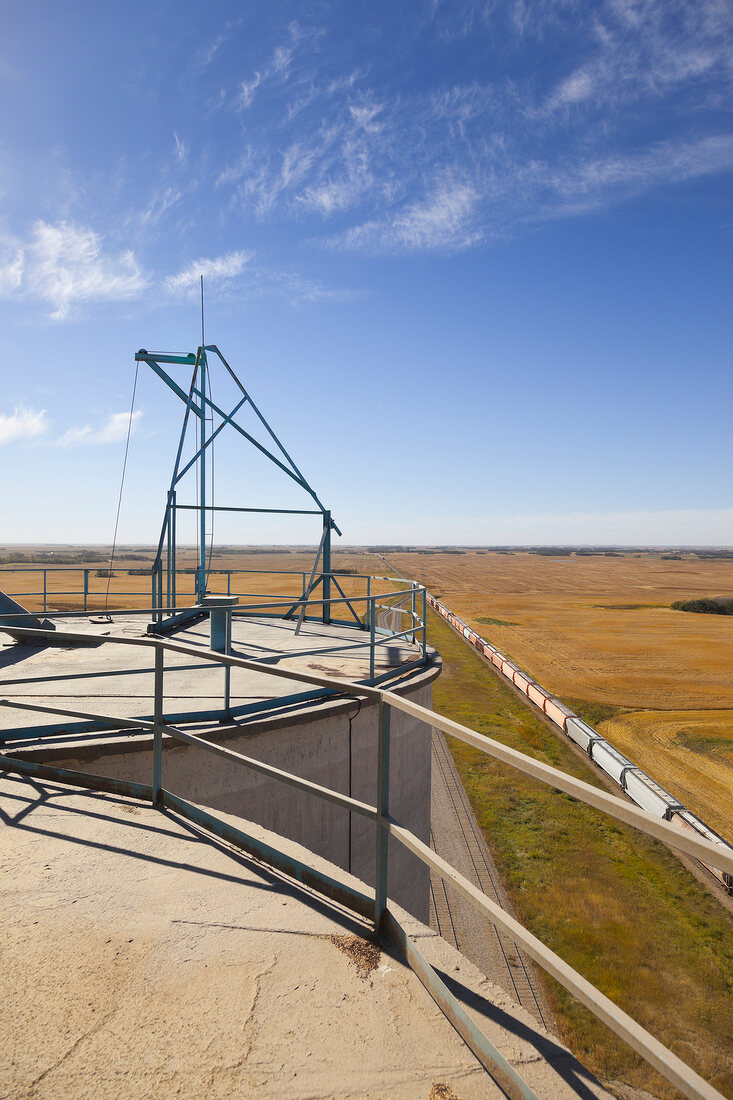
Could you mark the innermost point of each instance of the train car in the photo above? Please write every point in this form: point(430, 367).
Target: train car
point(691, 823)
point(522, 681)
point(509, 669)
point(538, 695)
point(558, 712)
point(581, 733)
point(497, 659)
point(610, 760)
point(650, 795)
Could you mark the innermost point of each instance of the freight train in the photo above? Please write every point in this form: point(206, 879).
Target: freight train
point(639, 786)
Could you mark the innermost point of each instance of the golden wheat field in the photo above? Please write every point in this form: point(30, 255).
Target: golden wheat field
point(600, 630)
point(272, 574)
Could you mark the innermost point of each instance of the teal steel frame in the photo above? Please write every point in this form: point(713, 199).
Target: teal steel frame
point(199, 403)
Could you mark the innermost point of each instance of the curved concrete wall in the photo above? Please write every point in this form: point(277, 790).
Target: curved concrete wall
point(331, 743)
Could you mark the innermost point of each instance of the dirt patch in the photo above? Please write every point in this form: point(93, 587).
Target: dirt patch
point(439, 1091)
point(362, 953)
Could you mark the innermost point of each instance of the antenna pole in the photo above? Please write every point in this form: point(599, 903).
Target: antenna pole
point(202, 468)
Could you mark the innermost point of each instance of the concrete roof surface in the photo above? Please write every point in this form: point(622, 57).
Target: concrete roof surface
point(142, 957)
point(117, 679)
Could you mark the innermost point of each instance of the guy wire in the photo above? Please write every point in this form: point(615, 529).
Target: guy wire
point(122, 485)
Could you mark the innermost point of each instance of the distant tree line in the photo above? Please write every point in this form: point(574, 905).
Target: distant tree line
point(51, 557)
point(706, 605)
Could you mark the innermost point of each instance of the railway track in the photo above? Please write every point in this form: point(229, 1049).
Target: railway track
point(456, 836)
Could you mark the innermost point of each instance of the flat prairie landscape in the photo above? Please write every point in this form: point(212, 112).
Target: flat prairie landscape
point(599, 632)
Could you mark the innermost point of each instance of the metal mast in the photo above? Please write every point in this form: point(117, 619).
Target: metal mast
point(201, 575)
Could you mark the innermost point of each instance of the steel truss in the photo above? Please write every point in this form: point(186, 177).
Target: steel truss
point(199, 403)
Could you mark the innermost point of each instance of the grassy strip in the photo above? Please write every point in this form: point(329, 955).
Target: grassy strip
point(593, 713)
point(614, 904)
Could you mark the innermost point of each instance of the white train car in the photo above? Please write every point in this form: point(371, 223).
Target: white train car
point(688, 821)
point(609, 759)
point(649, 795)
point(581, 733)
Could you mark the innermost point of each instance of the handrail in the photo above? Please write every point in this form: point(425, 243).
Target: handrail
point(637, 1037)
point(269, 605)
point(664, 1060)
point(610, 804)
point(325, 793)
point(545, 773)
point(238, 609)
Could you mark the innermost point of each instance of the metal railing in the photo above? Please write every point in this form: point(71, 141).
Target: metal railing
point(386, 925)
point(377, 613)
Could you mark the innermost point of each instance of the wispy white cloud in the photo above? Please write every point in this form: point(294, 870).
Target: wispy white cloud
point(113, 430)
point(646, 49)
point(181, 150)
point(65, 265)
point(160, 204)
point(276, 68)
point(444, 219)
point(574, 89)
point(22, 424)
point(514, 149)
point(667, 162)
point(208, 54)
point(332, 196)
point(248, 88)
point(218, 269)
point(11, 270)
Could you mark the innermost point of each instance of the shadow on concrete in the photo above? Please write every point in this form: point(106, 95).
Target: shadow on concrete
point(12, 654)
point(50, 795)
point(564, 1063)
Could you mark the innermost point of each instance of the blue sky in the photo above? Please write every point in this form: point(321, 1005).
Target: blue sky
point(472, 260)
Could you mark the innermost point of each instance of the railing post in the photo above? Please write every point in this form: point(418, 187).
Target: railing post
point(86, 587)
point(382, 861)
point(157, 731)
point(169, 559)
point(372, 631)
point(424, 624)
point(413, 612)
point(229, 582)
point(326, 575)
point(173, 550)
point(44, 591)
point(228, 668)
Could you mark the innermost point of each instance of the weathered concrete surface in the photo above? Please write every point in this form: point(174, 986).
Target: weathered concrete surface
point(333, 743)
point(118, 679)
point(140, 958)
